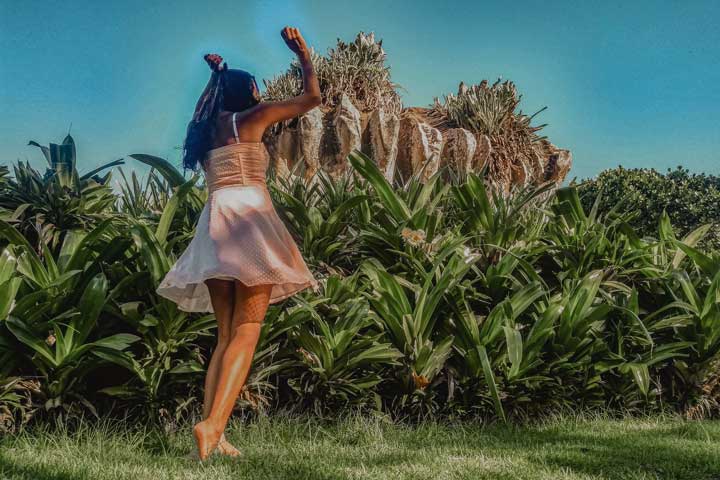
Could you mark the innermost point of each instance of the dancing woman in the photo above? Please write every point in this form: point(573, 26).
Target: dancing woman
point(242, 258)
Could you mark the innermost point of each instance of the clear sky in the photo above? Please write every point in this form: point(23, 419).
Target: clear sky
point(635, 83)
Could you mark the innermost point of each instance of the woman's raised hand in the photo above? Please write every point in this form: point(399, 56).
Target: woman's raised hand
point(295, 41)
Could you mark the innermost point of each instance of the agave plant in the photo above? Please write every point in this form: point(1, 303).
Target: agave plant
point(45, 206)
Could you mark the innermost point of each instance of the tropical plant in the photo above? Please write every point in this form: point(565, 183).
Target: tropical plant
point(689, 199)
point(169, 350)
point(439, 297)
point(339, 349)
point(323, 228)
point(43, 207)
point(58, 308)
point(411, 322)
point(356, 70)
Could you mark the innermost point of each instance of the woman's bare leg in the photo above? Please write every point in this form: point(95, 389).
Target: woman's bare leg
point(249, 310)
point(222, 296)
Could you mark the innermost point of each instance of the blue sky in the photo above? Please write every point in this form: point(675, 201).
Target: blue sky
point(634, 83)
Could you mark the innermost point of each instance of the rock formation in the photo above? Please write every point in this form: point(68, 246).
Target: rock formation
point(476, 129)
point(407, 144)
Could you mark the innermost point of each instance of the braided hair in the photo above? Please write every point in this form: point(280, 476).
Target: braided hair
point(229, 90)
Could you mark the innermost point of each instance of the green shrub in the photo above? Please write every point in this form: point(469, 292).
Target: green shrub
point(435, 298)
point(690, 199)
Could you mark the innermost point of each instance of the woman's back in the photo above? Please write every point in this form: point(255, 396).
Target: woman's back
point(234, 127)
point(237, 163)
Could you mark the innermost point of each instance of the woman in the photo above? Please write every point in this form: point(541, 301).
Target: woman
point(242, 258)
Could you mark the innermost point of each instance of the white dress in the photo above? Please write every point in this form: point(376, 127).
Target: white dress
point(239, 234)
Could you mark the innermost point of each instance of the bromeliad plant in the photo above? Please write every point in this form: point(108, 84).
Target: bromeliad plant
point(497, 222)
point(411, 322)
point(394, 221)
point(43, 207)
point(58, 310)
point(437, 298)
point(339, 349)
point(323, 227)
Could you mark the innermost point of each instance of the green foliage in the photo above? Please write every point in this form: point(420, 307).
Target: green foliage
point(689, 199)
point(436, 298)
point(490, 110)
point(340, 350)
point(43, 207)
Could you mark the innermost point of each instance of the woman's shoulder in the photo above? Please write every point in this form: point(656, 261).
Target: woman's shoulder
point(246, 125)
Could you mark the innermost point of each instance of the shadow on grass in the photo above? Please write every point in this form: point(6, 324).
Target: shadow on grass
point(612, 450)
point(15, 471)
point(656, 453)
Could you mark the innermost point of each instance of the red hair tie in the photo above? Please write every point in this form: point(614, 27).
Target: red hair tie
point(214, 62)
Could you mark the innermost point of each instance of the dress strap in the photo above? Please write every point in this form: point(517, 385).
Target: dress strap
point(237, 140)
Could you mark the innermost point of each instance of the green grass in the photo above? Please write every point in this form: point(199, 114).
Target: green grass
point(369, 448)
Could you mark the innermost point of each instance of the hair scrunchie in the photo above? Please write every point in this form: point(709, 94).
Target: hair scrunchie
point(212, 96)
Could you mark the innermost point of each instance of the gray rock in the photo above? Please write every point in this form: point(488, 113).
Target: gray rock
point(458, 150)
point(346, 123)
point(383, 131)
point(309, 138)
point(419, 149)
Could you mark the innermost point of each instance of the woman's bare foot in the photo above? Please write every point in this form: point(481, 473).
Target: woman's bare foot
point(206, 438)
point(227, 448)
point(224, 448)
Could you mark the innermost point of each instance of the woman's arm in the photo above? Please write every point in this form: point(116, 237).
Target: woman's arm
point(272, 112)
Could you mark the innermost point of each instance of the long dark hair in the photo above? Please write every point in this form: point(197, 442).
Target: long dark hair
point(229, 90)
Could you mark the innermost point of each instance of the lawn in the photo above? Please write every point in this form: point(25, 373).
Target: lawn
point(370, 448)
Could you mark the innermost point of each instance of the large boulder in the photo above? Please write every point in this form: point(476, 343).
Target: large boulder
point(419, 149)
point(309, 139)
point(458, 151)
point(346, 125)
point(410, 143)
point(382, 133)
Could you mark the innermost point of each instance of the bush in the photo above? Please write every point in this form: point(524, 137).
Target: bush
point(690, 199)
point(436, 298)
